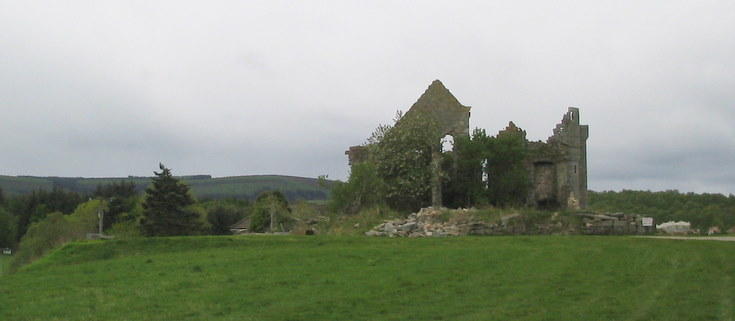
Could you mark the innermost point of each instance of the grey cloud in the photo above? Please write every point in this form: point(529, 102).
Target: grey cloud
point(234, 88)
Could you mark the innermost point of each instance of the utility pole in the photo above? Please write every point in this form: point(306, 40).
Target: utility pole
point(100, 215)
point(273, 210)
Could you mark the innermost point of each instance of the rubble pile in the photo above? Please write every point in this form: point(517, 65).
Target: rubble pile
point(424, 223)
point(431, 222)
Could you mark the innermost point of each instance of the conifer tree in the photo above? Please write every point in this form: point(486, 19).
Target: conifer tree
point(165, 210)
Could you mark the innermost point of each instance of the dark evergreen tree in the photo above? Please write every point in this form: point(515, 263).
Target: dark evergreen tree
point(222, 217)
point(35, 206)
point(8, 229)
point(165, 210)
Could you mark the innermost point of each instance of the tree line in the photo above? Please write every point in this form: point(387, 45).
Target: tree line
point(40, 221)
point(702, 210)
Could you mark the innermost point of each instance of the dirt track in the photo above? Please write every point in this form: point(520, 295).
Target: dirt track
point(704, 238)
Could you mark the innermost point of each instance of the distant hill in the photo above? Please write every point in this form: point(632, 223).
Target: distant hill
point(203, 186)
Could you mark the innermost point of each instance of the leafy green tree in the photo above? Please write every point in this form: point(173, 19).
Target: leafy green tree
point(507, 179)
point(270, 205)
point(500, 159)
point(363, 189)
point(8, 229)
point(402, 158)
point(165, 211)
point(465, 187)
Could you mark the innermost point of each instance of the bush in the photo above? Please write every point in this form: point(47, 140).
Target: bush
point(364, 189)
point(125, 230)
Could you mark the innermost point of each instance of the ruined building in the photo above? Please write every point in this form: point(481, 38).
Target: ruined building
point(557, 168)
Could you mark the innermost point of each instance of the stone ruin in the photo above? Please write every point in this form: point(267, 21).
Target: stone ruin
point(557, 168)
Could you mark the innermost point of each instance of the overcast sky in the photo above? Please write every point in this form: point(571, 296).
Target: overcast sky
point(112, 88)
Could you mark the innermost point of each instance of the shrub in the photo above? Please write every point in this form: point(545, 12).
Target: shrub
point(125, 230)
point(56, 229)
point(364, 189)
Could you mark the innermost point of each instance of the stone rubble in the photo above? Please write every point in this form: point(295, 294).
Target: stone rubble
point(441, 222)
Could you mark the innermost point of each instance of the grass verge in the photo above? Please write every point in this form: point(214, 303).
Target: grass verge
point(4, 264)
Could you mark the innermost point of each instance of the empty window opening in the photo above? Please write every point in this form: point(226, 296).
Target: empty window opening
point(447, 143)
point(485, 177)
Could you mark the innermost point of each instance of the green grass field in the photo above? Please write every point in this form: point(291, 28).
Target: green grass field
point(360, 278)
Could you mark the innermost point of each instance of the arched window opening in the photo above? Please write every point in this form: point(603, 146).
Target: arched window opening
point(447, 143)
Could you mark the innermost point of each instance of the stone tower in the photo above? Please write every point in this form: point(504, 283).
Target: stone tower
point(558, 168)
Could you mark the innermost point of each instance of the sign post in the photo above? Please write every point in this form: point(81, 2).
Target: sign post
point(647, 221)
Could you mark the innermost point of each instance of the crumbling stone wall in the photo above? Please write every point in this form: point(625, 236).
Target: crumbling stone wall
point(437, 102)
point(614, 223)
point(544, 181)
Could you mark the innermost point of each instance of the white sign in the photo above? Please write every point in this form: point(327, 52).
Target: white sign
point(647, 221)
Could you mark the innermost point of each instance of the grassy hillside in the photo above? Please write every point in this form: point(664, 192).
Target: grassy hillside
point(251, 186)
point(4, 264)
point(13, 185)
point(203, 186)
point(359, 278)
